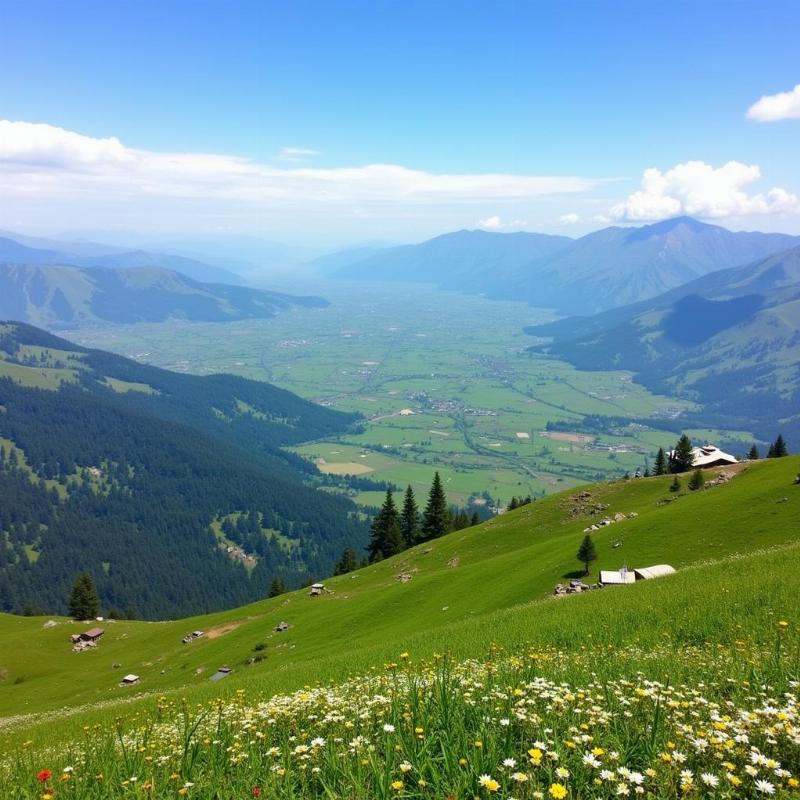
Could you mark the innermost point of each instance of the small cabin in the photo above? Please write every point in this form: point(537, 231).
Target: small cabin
point(707, 456)
point(316, 589)
point(617, 577)
point(221, 673)
point(91, 635)
point(657, 571)
point(130, 680)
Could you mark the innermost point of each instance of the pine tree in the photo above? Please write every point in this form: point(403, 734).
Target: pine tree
point(347, 562)
point(83, 602)
point(277, 586)
point(660, 467)
point(436, 519)
point(513, 504)
point(778, 448)
point(683, 455)
point(475, 519)
point(675, 486)
point(386, 537)
point(697, 480)
point(409, 518)
point(646, 473)
point(587, 552)
point(753, 454)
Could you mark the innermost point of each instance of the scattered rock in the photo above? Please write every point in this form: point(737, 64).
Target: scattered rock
point(454, 562)
point(282, 626)
point(403, 577)
point(51, 623)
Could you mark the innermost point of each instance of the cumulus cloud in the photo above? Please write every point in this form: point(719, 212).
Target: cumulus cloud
point(569, 219)
point(774, 107)
point(701, 190)
point(493, 223)
point(30, 144)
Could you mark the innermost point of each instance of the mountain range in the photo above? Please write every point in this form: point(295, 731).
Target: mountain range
point(57, 296)
point(20, 249)
point(173, 490)
point(730, 339)
point(611, 267)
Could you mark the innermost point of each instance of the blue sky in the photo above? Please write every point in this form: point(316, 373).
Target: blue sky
point(592, 93)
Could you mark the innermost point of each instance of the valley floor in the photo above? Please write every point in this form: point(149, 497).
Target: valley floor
point(481, 402)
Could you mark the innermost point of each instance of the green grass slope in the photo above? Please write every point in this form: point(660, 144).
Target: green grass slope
point(471, 588)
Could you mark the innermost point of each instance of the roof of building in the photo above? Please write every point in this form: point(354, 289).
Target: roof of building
point(657, 571)
point(613, 576)
point(708, 455)
point(130, 678)
point(93, 633)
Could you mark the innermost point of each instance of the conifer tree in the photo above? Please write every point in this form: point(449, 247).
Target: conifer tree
point(475, 519)
point(778, 448)
point(683, 456)
point(409, 518)
point(83, 601)
point(753, 454)
point(697, 480)
point(277, 586)
point(646, 473)
point(347, 562)
point(587, 552)
point(660, 467)
point(386, 538)
point(436, 519)
point(675, 486)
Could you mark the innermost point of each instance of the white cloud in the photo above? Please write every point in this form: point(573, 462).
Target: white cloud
point(30, 144)
point(297, 154)
point(569, 219)
point(774, 107)
point(47, 159)
point(490, 223)
point(701, 190)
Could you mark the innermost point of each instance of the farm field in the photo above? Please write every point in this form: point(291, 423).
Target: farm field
point(724, 625)
point(480, 401)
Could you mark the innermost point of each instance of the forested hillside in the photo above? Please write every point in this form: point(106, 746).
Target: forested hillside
point(171, 490)
point(730, 340)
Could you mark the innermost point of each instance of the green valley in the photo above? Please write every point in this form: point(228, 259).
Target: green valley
point(481, 402)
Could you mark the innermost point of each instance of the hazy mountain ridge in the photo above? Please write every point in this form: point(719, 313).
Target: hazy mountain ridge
point(478, 257)
point(731, 339)
point(608, 268)
point(54, 296)
point(91, 255)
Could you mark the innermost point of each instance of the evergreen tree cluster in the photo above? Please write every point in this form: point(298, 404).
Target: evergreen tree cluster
point(393, 531)
point(518, 502)
point(778, 448)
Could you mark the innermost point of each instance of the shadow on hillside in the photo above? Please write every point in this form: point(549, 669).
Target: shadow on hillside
point(578, 573)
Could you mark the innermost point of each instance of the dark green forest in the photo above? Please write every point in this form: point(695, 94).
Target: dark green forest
point(126, 486)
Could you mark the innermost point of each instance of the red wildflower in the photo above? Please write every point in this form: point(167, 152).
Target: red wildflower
point(43, 776)
point(256, 791)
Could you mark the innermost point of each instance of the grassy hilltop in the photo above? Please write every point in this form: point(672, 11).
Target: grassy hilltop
point(469, 589)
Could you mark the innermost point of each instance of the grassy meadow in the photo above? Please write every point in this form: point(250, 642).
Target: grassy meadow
point(480, 598)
